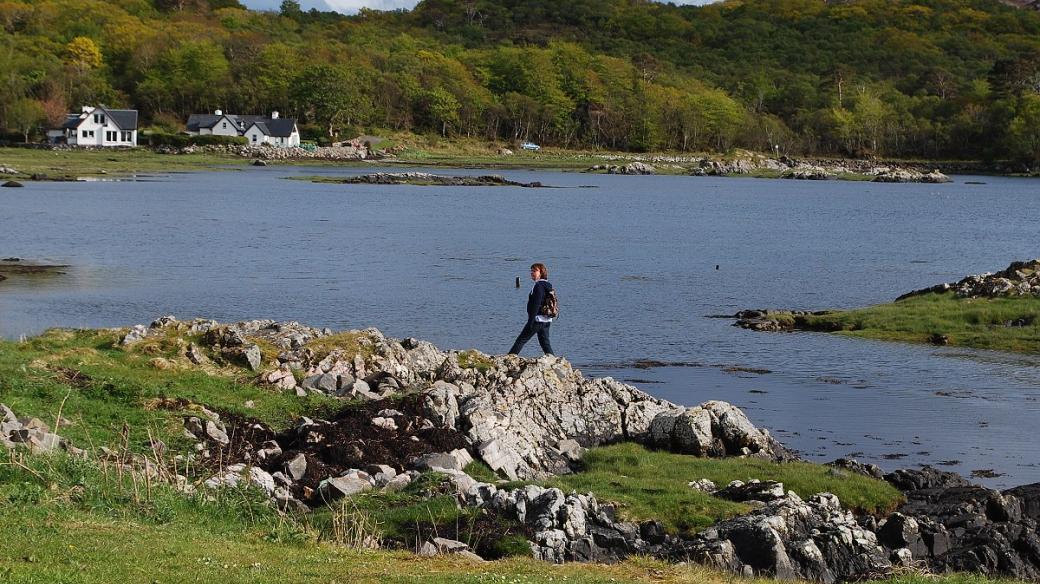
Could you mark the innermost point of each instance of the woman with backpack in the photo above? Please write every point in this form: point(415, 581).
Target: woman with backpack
point(541, 308)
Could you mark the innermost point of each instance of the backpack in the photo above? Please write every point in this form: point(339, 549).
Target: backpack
point(551, 305)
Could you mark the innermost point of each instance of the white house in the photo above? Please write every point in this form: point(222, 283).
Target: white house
point(216, 124)
point(100, 126)
point(273, 131)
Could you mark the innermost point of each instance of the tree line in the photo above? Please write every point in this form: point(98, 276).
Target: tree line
point(895, 78)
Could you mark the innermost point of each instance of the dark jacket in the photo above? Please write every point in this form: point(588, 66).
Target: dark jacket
point(537, 298)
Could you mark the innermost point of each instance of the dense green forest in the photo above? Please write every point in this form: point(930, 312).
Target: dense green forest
point(892, 78)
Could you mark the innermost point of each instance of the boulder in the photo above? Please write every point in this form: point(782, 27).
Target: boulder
point(713, 428)
point(12, 184)
point(216, 432)
point(324, 382)
point(337, 487)
point(252, 357)
point(296, 467)
point(753, 490)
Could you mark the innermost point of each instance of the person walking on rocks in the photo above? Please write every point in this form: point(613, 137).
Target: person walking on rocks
point(538, 321)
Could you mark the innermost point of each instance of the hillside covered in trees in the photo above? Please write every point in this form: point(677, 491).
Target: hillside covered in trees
point(892, 78)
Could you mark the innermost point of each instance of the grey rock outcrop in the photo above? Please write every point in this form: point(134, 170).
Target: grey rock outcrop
point(714, 428)
point(517, 410)
point(525, 418)
point(1018, 279)
point(789, 538)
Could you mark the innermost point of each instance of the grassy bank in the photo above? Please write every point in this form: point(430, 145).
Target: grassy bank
point(1003, 324)
point(72, 164)
point(67, 521)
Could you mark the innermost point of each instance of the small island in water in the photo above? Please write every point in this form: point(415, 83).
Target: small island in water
point(988, 311)
point(423, 179)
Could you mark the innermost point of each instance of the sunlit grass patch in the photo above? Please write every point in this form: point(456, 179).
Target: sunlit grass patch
point(650, 484)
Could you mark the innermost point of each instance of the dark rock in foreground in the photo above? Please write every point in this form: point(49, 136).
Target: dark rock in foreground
point(952, 525)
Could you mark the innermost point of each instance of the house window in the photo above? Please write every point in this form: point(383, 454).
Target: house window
point(84, 133)
point(223, 125)
point(99, 119)
point(128, 136)
point(110, 136)
point(254, 137)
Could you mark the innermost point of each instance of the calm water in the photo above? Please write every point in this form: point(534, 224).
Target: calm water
point(634, 261)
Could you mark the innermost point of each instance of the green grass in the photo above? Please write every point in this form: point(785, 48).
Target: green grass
point(85, 163)
point(966, 322)
point(650, 484)
point(70, 521)
point(117, 386)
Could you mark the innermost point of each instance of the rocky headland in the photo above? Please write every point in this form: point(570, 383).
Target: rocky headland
point(409, 408)
point(1017, 280)
point(988, 310)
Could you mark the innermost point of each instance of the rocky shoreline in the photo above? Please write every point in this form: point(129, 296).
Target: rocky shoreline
point(410, 408)
point(740, 163)
point(424, 179)
point(758, 165)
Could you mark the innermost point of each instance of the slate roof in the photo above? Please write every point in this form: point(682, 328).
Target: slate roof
point(277, 127)
point(196, 121)
point(123, 119)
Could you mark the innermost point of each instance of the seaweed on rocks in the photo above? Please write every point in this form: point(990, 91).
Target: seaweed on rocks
point(349, 440)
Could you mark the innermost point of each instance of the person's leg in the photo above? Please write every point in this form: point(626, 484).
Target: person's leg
point(543, 338)
point(521, 340)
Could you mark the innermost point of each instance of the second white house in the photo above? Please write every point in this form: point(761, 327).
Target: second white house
point(259, 130)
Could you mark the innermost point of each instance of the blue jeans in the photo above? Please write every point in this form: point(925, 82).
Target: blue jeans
point(531, 329)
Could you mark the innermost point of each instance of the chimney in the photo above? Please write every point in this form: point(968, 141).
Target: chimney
point(218, 113)
point(87, 109)
point(274, 115)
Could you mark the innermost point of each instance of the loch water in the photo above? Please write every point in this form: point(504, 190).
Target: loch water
point(640, 264)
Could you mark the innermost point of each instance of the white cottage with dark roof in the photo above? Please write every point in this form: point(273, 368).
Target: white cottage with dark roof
point(258, 130)
point(101, 126)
